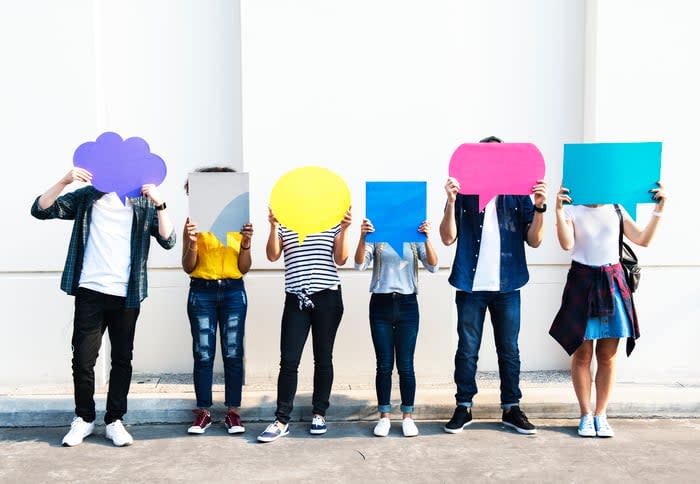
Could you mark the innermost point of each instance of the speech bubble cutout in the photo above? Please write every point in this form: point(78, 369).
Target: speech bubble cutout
point(309, 200)
point(612, 173)
point(120, 166)
point(219, 202)
point(396, 209)
point(491, 169)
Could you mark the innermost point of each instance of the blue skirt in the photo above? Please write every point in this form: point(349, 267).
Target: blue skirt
point(614, 326)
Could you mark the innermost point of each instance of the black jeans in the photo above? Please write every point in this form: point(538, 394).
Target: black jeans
point(323, 320)
point(95, 312)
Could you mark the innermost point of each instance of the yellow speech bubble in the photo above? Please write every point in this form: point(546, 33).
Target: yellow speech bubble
point(309, 200)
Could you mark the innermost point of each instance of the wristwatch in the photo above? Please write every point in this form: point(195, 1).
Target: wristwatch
point(162, 206)
point(537, 209)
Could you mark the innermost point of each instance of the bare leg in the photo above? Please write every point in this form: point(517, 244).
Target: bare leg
point(605, 352)
point(581, 375)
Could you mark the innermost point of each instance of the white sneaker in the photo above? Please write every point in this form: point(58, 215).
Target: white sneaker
point(118, 434)
point(79, 429)
point(602, 427)
point(382, 427)
point(409, 427)
point(585, 426)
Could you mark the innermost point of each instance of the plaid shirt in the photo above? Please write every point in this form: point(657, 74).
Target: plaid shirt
point(589, 293)
point(77, 206)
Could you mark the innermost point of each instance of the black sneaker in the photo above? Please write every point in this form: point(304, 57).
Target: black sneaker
point(515, 418)
point(460, 419)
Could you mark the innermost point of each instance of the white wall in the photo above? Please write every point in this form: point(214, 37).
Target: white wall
point(372, 90)
point(641, 86)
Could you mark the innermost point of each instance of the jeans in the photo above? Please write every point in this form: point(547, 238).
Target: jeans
point(323, 321)
point(95, 312)
point(504, 308)
point(393, 319)
point(221, 303)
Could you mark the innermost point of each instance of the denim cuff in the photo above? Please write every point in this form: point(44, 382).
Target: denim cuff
point(465, 404)
point(384, 408)
point(508, 406)
point(407, 408)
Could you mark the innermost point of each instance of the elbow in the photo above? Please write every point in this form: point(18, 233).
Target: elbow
point(446, 240)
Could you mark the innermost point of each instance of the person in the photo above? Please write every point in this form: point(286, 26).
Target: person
point(597, 308)
point(106, 272)
point(393, 317)
point(488, 271)
point(217, 297)
point(313, 301)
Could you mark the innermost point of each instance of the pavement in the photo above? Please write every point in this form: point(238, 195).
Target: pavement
point(657, 437)
point(170, 399)
point(643, 450)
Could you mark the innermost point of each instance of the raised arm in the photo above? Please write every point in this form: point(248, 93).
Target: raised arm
point(273, 249)
point(244, 259)
point(189, 246)
point(365, 229)
point(448, 225)
point(644, 236)
point(565, 229)
point(341, 249)
point(430, 255)
point(535, 233)
point(165, 225)
point(49, 196)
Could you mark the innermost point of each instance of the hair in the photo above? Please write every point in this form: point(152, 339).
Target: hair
point(209, 169)
point(491, 139)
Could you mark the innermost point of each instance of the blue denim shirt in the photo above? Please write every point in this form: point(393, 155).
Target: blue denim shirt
point(515, 214)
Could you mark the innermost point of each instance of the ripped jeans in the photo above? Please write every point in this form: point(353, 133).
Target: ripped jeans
point(223, 303)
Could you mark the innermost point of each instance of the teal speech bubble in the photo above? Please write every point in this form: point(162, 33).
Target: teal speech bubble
point(602, 173)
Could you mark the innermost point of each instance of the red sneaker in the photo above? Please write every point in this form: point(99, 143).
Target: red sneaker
point(233, 423)
point(202, 421)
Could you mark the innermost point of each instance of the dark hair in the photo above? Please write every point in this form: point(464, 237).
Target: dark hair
point(209, 169)
point(491, 139)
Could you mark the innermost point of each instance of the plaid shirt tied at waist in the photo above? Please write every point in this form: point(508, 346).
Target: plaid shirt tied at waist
point(589, 293)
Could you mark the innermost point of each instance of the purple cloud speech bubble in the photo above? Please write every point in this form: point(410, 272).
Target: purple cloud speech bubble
point(120, 166)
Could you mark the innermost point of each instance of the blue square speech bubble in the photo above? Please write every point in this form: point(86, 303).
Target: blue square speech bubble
point(396, 209)
point(601, 173)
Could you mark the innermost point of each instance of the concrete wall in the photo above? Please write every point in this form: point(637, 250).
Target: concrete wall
point(372, 90)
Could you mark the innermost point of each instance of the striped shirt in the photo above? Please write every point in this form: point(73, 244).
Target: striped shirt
point(309, 267)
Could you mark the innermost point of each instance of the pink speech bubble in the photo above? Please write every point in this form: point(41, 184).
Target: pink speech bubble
point(491, 169)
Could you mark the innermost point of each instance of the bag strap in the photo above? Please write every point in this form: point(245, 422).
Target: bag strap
point(619, 215)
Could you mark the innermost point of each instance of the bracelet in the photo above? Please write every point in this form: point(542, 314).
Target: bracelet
point(657, 214)
point(244, 248)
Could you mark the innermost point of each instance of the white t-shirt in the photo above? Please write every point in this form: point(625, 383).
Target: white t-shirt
point(107, 258)
point(488, 267)
point(596, 233)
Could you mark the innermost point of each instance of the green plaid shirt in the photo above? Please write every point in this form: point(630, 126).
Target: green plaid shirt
point(77, 206)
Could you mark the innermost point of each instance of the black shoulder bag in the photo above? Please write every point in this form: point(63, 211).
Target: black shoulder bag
point(628, 258)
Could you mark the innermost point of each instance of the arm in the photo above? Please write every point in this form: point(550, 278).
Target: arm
point(431, 259)
point(244, 260)
point(362, 257)
point(189, 246)
point(644, 236)
point(273, 249)
point(565, 229)
point(49, 196)
point(535, 233)
point(448, 225)
point(341, 250)
point(165, 225)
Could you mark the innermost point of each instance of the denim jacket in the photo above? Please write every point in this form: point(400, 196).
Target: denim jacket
point(515, 214)
point(77, 206)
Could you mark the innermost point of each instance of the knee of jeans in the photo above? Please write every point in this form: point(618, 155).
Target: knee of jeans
point(405, 368)
point(385, 367)
point(289, 365)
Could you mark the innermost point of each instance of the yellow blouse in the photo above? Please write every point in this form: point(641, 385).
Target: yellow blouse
point(214, 261)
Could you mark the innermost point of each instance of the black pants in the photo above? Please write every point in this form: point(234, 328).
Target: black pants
point(95, 312)
point(323, 321)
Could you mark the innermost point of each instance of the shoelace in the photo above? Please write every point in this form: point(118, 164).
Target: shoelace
point(318, 421)
point(517, 413)
point(201, 416)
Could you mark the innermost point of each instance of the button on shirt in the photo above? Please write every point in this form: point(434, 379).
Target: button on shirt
point(514, 214)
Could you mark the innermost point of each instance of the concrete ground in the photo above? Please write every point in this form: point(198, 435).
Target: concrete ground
point(657, 450)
